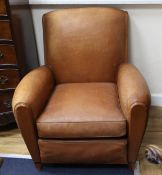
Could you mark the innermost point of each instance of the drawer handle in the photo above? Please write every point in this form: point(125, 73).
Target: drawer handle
point(7, 103)
point(1, 55)
point(3, 79)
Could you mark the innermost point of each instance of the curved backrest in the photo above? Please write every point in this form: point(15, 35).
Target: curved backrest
point(85, 44)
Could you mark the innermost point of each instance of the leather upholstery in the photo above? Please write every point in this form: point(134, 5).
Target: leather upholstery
point(87, 105)
point(34, 90)
point(28, 101)
point(83, 151)
point(86, 44)
point(134, 98)
point(82, 110)
point(132, 87)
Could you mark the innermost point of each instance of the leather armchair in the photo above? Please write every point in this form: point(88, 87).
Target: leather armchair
point(86, 104)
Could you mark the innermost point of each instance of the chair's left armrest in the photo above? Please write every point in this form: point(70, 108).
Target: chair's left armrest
point(34, 90)
point(30, 98)
point(134, 97)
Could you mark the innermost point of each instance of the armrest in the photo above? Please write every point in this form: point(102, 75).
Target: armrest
point(34, 90)
point(29, 100)
point(134, 97)
point(132, 88)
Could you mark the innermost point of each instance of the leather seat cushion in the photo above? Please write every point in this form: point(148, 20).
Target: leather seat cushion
point(82, 110)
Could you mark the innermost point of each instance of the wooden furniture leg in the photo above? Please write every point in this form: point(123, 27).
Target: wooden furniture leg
point(1, 162)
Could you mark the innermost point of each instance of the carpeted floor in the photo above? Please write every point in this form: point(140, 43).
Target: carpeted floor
point(13, 166)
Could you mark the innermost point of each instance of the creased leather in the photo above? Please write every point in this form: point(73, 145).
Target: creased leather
point(85, 44)
point(82, 110)
point(134, 99)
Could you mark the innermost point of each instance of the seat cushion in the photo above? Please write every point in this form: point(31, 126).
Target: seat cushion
point(82, 110)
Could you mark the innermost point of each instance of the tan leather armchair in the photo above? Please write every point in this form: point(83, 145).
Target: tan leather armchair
point(87, 104)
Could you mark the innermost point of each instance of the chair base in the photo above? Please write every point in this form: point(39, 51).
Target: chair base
point(1, 162)
point(131, 166)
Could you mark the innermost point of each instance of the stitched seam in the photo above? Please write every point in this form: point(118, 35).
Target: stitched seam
point(126, 37)
point(84, 137)
point(85, 141)
point(85, 122)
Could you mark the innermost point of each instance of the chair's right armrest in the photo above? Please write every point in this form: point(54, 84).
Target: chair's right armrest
point(134, 97)
point(34, 90)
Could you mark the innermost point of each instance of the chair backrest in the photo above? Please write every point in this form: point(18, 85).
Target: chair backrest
point(85, 44)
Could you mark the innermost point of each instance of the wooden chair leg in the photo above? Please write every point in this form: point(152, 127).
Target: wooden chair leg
point(131, 166)
point(38, 165)
point(1, 162)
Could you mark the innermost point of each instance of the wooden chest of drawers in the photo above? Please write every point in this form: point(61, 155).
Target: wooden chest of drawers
point(3, 8)
point(9, 69)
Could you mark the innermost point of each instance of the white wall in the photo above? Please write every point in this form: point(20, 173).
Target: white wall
point(145, 46)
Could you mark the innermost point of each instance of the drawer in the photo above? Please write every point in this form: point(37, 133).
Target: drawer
point(6, 119)
point(7, 55)
point(5, 32)
point(9, 78)
point(6, 101)
point(3, 10)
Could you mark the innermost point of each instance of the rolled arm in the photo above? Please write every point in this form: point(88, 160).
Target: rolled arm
point(134, 97)
point(29, 100)
point(34, 90)
point(132, 88)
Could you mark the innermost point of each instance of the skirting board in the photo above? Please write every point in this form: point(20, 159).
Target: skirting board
point(15, 156)
point(19, 2)
point(137, 168)
point(39, 2)
point(156, 99)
